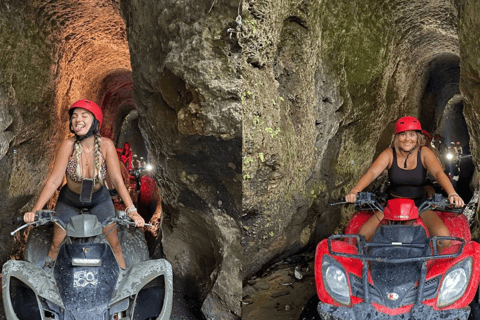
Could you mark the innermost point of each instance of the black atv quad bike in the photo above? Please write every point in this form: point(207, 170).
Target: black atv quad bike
point(86, 282)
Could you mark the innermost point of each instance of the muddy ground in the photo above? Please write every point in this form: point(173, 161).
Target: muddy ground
point(279, 292)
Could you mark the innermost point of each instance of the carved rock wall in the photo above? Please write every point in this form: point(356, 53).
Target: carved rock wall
point(323, 83)
point(28, 121)
point(187, 89)
point(469, 33)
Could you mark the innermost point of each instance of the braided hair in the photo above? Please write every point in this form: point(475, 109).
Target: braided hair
point(78, 148)
point(98, 139)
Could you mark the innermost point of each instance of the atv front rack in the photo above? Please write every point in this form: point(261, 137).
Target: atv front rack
point(363, 255)
point(363, 245)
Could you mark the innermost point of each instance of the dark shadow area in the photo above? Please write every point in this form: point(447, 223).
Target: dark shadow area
point(442, 115)
point(441, 84)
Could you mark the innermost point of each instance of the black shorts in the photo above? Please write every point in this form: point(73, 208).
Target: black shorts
point(69, 205)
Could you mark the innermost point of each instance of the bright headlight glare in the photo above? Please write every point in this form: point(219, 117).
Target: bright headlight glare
point(449, 156)
point(335, 281)
point(455, 283)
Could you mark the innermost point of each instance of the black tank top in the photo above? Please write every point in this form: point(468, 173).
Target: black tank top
point(407, 183)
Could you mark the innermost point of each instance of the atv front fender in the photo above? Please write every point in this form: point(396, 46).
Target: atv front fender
point(31, 275)
point(140, 275)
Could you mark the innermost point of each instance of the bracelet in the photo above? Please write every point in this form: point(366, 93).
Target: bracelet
point(453, 194)
point(130, 209)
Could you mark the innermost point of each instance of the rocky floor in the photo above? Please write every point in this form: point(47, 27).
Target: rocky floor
point(281, 291)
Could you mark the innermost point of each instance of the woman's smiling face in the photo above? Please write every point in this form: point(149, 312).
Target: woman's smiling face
point(81, 121)
point(407, 140)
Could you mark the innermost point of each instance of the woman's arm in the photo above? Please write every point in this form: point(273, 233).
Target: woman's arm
point(435, 168)
point(376, 169)
point(115, 176)
point(54, 179)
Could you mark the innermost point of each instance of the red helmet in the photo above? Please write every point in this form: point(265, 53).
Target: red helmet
point(89, 106)
point(406, 124)
point(458, 143)
point(426, 133)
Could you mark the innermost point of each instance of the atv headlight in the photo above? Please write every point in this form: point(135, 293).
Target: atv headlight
point(335, 280)
point(455, 283)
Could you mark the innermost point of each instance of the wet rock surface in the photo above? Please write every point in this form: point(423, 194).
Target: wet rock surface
point(187, 86)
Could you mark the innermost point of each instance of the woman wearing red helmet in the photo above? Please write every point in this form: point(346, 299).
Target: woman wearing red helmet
point(84, 160)
point(407, 164)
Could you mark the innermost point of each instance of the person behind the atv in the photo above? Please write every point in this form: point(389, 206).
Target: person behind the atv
point(117, 201)
point(433, 145)
point(85, 156)
point(407, 163)
point(426, 141)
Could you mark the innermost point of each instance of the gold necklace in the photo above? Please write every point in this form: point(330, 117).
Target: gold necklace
point(87, 156)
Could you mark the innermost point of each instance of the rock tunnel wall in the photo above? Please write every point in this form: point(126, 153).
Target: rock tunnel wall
point(28, 117)
point(469, 33)
point(186, 71)
point(318, 83)
point(323, 82)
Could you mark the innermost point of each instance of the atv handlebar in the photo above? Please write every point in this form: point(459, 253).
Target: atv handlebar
point(439, 203)
point(123, 219)
point(42, 217)
point(365, 201)
point(373, 201)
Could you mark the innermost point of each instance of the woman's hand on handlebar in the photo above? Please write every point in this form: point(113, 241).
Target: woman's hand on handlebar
point(139, 221)
point(29, 217)
point(456, 200)
point(351, 196)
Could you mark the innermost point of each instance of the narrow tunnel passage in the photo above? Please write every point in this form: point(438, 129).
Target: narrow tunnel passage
point(122, 126)
point(441, 114)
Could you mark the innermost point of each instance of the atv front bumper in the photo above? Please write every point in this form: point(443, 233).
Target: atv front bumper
point(363, 311)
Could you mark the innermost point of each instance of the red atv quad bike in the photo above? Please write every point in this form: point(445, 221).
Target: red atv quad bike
point(399, 274)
